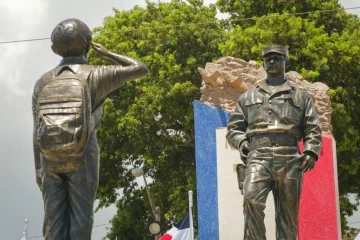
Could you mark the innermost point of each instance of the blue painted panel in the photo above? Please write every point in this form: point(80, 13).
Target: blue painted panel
point(207, 119)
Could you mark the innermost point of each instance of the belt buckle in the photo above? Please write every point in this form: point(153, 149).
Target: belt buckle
point(273, 142)
point(266, 142)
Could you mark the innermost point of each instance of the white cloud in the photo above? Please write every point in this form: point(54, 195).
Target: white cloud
point(19, 19)
point(10, 73)
point(29, 13)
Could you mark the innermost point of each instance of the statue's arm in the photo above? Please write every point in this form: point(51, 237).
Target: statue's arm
point(109, 78)
point(36, 148)
point(237, 126)
point(311, 128)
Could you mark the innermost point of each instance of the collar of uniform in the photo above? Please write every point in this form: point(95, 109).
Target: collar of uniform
point(287, 85)
point(263, 85)
point(71, 63)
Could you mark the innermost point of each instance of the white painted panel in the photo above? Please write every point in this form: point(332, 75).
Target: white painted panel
point(230, 200)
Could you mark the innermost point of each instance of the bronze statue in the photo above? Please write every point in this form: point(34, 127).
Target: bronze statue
point(266, 127)
point(67, 108)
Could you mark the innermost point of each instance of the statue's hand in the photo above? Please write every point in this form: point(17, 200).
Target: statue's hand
point(307, 162)
point(100, 49)
point(244, 151)
point(38, 178)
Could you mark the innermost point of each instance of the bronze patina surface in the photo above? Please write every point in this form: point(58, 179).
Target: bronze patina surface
point(67, 108)
point(266, 127)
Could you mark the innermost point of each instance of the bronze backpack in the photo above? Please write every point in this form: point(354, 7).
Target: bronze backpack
point(64, 115)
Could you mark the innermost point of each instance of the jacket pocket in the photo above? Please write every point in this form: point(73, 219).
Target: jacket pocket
point(293, 111)
point(254, 109)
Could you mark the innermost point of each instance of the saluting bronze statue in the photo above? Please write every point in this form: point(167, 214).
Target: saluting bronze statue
point(266, 127)
point(67, 108)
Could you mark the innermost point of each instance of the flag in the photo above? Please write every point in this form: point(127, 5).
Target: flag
point(180, 231)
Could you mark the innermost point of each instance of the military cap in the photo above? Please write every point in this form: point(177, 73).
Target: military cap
point(276, 49)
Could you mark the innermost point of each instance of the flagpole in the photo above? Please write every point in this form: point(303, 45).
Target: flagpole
point(25, 230)
point(190, 215)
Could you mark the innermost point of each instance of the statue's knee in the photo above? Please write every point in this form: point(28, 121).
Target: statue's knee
point(252, 203)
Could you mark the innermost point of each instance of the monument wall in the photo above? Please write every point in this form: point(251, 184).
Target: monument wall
point(219, 200)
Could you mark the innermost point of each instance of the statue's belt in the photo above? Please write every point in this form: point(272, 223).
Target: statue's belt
point(276, 140)
point(69, 166)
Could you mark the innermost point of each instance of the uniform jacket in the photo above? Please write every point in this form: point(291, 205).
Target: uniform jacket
point(289, 110)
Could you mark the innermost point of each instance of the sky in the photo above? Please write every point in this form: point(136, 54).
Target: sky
point(21, 64)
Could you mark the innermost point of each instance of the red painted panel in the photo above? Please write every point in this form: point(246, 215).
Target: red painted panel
point(318, 216)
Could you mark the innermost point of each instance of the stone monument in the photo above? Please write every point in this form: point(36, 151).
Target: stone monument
point(223, 82)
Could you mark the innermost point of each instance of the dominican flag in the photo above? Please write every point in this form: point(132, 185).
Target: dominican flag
point(180, 231)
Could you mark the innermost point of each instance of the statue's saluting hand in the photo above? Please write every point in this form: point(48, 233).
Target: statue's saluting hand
point(100, 49)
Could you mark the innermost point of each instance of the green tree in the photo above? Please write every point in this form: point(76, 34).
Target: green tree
point(333, 21)
point(150, 121)
point(318, 55)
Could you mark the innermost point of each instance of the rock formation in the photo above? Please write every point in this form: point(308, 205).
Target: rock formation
point(225, 80)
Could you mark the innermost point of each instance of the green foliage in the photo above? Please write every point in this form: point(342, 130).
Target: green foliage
point(150, 120)
point(131, 218)
point(332, 21)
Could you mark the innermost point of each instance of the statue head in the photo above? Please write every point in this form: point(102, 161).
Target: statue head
point(71, 38)
point(276, 59)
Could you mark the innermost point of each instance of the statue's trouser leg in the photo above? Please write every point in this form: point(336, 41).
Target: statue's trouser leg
point(56, 220)
point(287, 189)
point(273, 169)
point(69, 198)
point(257, 186)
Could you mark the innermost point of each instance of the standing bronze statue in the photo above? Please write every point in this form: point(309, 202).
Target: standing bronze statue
point(266, 127)
point(67, 108)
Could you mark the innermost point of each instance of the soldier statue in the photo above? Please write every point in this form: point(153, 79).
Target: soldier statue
point(266, 127)
point(67, 108)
